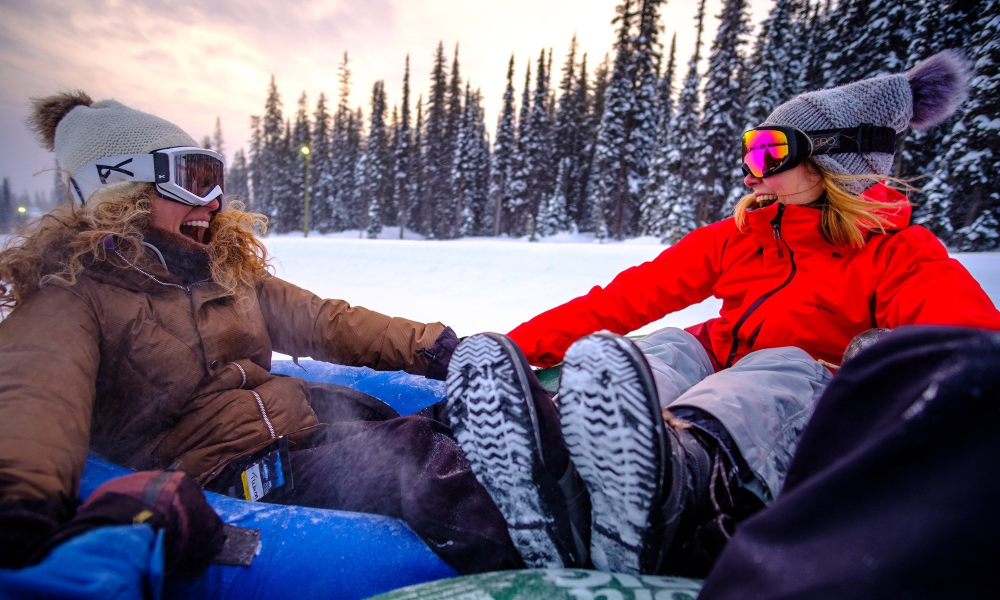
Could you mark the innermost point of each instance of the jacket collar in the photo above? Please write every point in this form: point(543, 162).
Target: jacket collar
point(800, 225)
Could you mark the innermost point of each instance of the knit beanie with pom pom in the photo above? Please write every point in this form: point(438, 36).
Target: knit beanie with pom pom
point(920, 98)
point(81, 131)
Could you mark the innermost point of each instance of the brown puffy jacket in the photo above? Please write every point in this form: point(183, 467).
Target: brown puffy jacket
point(147, 372)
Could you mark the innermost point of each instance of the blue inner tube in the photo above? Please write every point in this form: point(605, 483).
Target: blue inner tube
point(311, 552)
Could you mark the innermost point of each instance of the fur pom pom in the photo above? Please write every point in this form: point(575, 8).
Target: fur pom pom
point(939, 84)
point(50, 110)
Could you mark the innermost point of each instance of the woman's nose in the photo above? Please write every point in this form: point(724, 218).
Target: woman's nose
point(213, 205)
point(750, 180)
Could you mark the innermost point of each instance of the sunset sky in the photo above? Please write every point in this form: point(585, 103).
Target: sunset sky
point(189, 61)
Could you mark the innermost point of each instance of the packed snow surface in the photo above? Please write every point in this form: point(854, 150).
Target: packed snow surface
point(488, 284)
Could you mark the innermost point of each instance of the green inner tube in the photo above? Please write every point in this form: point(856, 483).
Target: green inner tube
point(551, 584)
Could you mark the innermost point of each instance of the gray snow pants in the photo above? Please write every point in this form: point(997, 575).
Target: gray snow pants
point(764, 401)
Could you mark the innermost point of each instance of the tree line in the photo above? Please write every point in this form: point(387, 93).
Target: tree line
point(628, 147)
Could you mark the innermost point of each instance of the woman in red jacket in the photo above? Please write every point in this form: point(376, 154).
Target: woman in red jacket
point(814, 256)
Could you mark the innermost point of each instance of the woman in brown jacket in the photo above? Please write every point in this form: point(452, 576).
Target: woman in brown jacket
point(140, 325)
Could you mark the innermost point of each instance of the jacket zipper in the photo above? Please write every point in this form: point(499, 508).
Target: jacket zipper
point(776, 226)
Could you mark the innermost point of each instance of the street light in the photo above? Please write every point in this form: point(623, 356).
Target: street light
point(305, 215)
point(21, 210)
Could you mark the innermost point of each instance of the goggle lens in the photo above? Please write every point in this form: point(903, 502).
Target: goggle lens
point(198, 173)
point(764, 150)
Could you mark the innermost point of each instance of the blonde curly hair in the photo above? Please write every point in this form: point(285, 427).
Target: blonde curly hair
point(58, 246)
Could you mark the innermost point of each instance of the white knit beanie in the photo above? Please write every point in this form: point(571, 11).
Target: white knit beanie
point(921, 98)
point(108, 128)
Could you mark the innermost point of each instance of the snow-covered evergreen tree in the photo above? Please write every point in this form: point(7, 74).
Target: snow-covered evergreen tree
point(939, 25)
point(437, 157)
point(471, 167)
point(717, 162)
point(568, 128)
point(286, 163)
point(290, 206)
point(321, 176)
point(218, 143)
point(274, 149)
point(667, 89)
point(647, 116)
point(610, 194)
point(342, 180)
point(518, 206)
point(256, 158)
point(971, 169)
point(537, 143)
point(593, 113)
point(552, 216)
point(678, 202)
point(402, 157)
point(415, 178)
point(238, 177)
point(503, 153)
point(6, 206)
point(775, 67)
point(578, 151)
point(375, 183)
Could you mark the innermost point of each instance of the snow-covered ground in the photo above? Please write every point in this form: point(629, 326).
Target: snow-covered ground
point(487, 284)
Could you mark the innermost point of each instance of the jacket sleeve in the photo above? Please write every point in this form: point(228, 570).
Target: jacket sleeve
point(300, 323)
point(923, 285)
point(49, 358)
point(680, 276)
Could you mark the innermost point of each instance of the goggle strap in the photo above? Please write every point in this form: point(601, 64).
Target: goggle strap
point(862, 139)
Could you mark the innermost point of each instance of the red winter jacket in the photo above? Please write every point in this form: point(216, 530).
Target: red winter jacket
point(781, 284)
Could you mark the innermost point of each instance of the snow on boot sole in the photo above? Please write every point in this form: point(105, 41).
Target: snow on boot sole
point(610, 420)
point(490, 408)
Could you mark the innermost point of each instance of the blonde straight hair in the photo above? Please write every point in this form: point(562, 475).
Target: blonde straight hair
point(847, 219)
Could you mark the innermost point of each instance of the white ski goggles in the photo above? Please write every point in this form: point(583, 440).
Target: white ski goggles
point(188, 175)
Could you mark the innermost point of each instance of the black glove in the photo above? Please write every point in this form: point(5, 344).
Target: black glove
point(440, 354)
point(26, 524)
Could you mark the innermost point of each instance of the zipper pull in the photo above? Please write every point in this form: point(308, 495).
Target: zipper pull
point(776, 226)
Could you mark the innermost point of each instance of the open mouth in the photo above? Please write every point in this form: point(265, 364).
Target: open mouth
point(197, 231)
point(765, 199)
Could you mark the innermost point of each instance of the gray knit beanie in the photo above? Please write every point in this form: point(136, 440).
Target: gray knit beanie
point(81, 131)
point(921, 98)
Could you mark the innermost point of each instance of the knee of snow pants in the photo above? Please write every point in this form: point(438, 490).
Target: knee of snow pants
point(764, 401)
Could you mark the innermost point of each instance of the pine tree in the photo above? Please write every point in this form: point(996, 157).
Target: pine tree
point(284, 188)
point(552, 216)
point(291, 206)
point(718, 171)
point(610, 195)
point(402, 157)
point(593, 112)
point(503, 152)
point(274, 148)
point(357, 212)
point(888, 32)
point(972, 166)
point(519, 206)
point(6, 207)
point(578, 151)
point(256, 158)
point(470, 180)
point(667, 88)
point(437, 157)
point(416, 175)
point(237, 177)
point(321, 192)
point(537, 143)
point(939, 25)
point(646, 117)
point(567, 138)
point(218, 144)
point(775, 67)
point(375, 185)
point(679, 208)
point(342, 179)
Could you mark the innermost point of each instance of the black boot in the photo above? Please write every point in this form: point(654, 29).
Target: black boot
point(508, 429)
point(644, 476)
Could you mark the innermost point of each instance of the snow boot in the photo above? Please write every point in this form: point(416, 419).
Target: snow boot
point(508, 428)
point(644, 476)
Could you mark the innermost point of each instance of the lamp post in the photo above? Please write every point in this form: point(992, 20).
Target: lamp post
point(305, 214)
